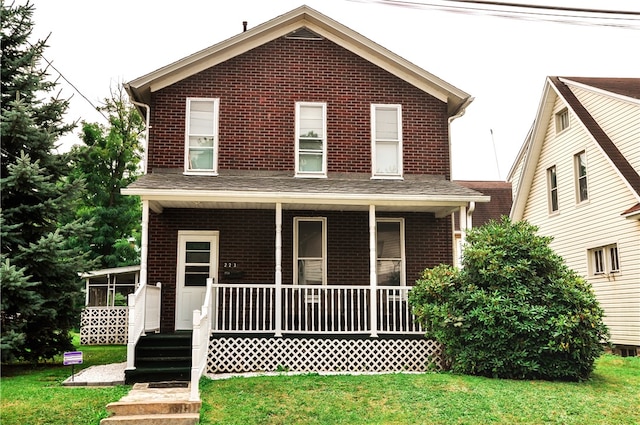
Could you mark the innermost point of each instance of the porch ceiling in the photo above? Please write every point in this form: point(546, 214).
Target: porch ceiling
point(344, 192)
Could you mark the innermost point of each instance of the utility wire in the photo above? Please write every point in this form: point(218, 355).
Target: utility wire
point(593, 17)
point(49, 63)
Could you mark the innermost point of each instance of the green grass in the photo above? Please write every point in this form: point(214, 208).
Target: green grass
point(612, 396)
point(36, 396)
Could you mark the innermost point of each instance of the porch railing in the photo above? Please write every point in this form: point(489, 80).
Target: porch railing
point(200, 340)
point(308, 309)
point(144, 316)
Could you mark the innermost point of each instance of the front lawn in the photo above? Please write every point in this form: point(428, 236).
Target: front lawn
point(612, 396)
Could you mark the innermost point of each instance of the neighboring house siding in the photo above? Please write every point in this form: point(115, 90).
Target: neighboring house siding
point(247, 239)
point(576, 228)
point(258, 91)
point(618, 118)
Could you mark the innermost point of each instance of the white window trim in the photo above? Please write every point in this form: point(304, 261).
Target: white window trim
point(216, 113)
point(297, 220)
point(550, 190)
point(576, 174)
point(312, 174)
point(403, 257)
point(606, 257)
point(558, 120)
point(374, 174)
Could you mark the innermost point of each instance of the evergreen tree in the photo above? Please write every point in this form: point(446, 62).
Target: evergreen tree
point(41, 290)
point(108, 161)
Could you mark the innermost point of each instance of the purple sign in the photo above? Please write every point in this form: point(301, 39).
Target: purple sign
point(72, 357)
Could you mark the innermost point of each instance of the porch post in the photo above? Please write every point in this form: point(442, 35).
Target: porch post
point(278, 297)
point(144, 242)
point(463, 228)
point(373, 280)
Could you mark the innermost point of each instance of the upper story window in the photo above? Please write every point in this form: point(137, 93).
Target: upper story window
point(562, 120)
point(390, 258)
point(201, 145)
point(604, 260)
point(580, 166)
point(552, 185)
point(311, 139)
point(386, 141)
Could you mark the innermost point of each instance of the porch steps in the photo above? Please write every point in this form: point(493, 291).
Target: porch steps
point(166, 405)
point(161, 358)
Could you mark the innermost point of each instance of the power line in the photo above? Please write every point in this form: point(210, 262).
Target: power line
point(593, 17)
point(49, 63)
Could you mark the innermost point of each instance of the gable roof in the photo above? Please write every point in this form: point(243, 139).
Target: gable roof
point(499, 205)
point(308, 19)
point(627, 88)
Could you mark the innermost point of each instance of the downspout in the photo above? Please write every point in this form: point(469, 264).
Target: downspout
point(459, 112)
point(146, 132)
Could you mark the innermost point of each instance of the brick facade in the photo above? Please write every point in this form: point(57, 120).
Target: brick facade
point(258, 91)
point(247, 238)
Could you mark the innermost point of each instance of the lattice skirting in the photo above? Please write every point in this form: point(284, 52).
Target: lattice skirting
point(323, 355)
point(103, 325)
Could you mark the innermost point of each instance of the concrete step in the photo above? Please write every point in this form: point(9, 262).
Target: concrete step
point(159, 419)
point(120, 408)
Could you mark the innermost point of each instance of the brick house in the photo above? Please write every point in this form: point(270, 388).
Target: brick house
point(306, 171)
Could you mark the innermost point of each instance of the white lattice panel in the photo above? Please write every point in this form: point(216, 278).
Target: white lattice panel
point(323, 355)
point(103, 325)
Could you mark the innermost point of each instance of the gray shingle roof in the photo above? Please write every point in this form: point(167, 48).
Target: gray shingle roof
point(334, 185)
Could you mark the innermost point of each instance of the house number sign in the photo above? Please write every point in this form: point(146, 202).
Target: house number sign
point(231, 265)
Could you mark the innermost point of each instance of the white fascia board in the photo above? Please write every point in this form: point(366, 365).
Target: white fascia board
point(538, 136)
point(301, 198)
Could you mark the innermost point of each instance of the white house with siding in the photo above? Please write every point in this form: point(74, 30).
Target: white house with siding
point(577, 177)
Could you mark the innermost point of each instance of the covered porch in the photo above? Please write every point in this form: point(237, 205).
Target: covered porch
point(271, 291)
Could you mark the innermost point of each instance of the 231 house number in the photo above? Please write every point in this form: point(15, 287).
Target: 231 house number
point(229, 265)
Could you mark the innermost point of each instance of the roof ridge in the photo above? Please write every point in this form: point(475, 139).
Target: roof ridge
point(604, 141)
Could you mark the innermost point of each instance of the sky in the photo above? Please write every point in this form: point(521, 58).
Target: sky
point(499, 58)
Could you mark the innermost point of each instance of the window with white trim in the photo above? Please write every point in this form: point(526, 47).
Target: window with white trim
point(386, 141)
point(604, 260)
point(552, 185)
point(562, 120)
point(201, 144)
point(390, 258)
point(580, 165)
point(311, 139)
point(310, 250)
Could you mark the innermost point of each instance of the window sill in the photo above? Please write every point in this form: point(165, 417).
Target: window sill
point(200, 173)
point(390, 177)
point(310, 176)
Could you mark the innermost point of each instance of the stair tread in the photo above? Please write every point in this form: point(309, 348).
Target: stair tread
point(157, 419)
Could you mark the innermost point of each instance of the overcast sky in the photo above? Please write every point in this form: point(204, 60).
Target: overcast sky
point(502, 61)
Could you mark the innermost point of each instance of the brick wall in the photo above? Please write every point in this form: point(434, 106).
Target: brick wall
point(258, 91)
point(247, 238)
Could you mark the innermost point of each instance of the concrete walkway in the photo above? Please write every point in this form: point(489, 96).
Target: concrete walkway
point(98, 376)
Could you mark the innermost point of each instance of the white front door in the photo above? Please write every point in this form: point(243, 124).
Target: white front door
point(197, 260)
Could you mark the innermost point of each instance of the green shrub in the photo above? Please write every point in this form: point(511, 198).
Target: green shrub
point(514, 310)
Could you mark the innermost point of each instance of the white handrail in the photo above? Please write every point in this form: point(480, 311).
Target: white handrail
point(200, 341)
point(140, 315)
point(313, 309)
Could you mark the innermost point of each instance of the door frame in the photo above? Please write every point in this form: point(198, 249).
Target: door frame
point(212, 236)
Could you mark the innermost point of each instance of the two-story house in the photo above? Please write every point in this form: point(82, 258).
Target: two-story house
point(577, 177)
point(306, 170)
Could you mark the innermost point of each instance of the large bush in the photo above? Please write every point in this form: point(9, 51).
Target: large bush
point(514, 310)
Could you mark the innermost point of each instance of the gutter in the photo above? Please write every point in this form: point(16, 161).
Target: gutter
point(147, 124)
point(457, 114)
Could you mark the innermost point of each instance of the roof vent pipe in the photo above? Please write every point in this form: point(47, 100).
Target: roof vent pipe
point(244, 26)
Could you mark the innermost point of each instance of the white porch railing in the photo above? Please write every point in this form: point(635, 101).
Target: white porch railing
point(312, 309)
point(200, 340)
point(144, 316)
